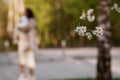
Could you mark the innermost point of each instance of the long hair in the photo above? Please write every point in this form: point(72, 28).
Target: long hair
point(29, 13)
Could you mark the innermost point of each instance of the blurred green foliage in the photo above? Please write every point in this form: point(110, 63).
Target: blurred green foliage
point(3, 22)
point(57, 19)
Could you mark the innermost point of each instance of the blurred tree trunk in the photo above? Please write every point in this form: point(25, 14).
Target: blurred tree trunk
point(104, 57)
point(81, 41)
point(58, 24)
point(1, 30)
point(3, 19)
point(21, 6)
point(10, 16)
point(15, 8)
point(16, 11)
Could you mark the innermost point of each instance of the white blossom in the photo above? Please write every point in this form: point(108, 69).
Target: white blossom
point(100, 29)
point(94, 32)
point(81, 33)
point(98, 32)
point(83, 16)
point(84, 28)
point(89, 35)
point(90, 11)
point(116, 7)
point(90, 17)
point(81, 30)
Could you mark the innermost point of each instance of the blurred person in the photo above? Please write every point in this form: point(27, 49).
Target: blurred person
point(25, 37)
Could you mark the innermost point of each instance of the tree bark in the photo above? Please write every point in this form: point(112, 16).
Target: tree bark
point(104, 47)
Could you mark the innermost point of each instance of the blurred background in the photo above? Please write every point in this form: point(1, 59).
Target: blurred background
point(56, 21)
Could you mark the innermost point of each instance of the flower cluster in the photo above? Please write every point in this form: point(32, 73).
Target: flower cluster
point(98, 32)
point(89, 15)
point(89, 35)
point(82, 31)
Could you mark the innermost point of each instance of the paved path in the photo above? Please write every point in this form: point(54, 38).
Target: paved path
point(52, 64)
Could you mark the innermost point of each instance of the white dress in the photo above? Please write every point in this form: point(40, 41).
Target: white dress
point(26, 40)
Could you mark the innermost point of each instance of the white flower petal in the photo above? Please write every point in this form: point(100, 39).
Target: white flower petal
point(81, 30)
point(91, 18)
point(116, 7)
point(90, 11)
point(83, 16)
point(89, 35)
